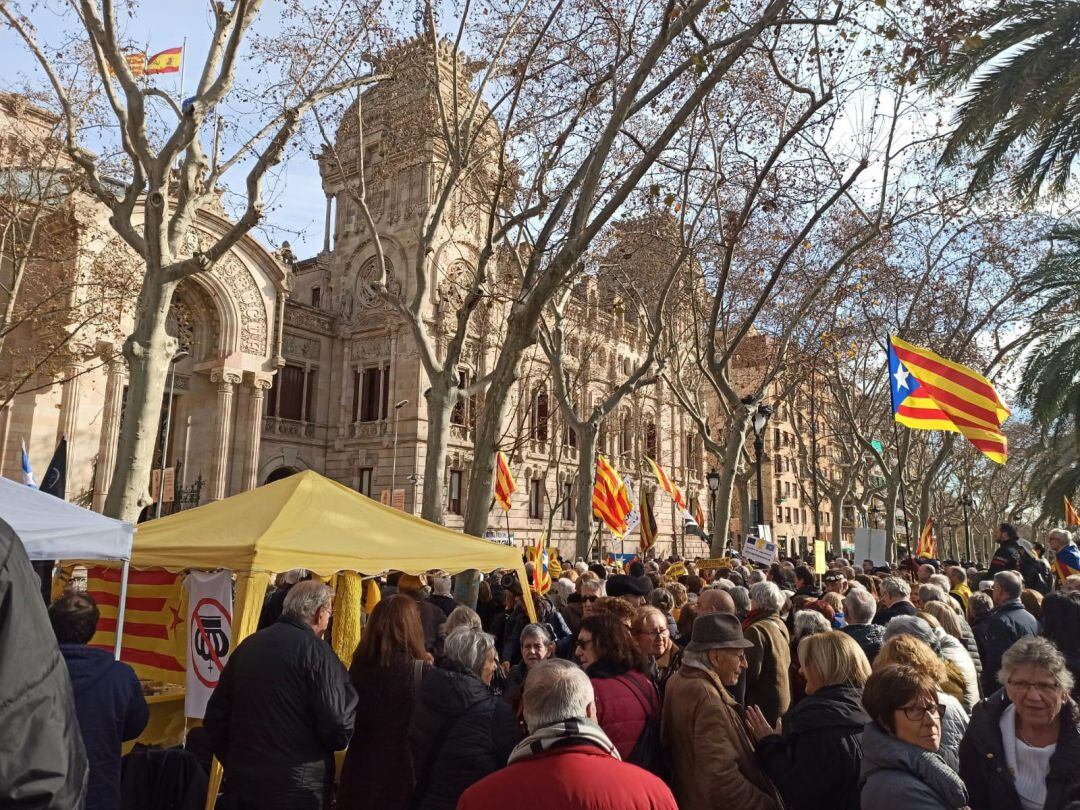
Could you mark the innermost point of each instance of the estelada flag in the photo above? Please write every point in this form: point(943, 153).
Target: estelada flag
point(666, 485)
point(610, 500)
point(155, 631)
point(927, 548)
point(541, 575)
point(1072, 518)
point(504, 482)
point(648, 524)
point(1067, 563)
point(932, 393)
point(164, 62)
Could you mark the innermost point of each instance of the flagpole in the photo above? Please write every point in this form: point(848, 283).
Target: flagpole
point(183, 69)
point(896, 442)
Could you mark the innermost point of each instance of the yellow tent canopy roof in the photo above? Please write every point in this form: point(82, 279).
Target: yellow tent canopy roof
point(308, 521)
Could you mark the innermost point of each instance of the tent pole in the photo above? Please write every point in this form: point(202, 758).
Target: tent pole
point(120, 610)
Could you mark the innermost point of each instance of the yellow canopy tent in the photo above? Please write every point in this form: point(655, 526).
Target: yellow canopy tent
point(307, 521)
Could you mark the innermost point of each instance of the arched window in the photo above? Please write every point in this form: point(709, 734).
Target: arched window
point(540, 416)
point(652, 446)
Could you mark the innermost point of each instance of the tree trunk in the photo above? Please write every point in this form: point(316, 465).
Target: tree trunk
point(584, 514)
point(891, 496)
point(148, 351)
point(836, 504)
point(438, 435)
point(728, 468)
point(742, 492)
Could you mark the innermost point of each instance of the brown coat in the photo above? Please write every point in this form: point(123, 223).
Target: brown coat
point(712, 759)
point(768, 662)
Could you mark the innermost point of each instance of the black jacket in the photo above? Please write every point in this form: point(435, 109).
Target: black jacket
point(816, 762)
point(459, 734)
point(983, 766)
point(869, 637)
point(885, 615)
point(999, 631)
point(283, 705)
point(111, 709)
point(1006, 558)
point(42, 758)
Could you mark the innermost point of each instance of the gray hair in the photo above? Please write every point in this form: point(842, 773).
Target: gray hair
point(757, 576)
point(931, 593)
point(895, 588)
point(809, 623)
point(555, 690)
point(913, 626)
point(468, 648)
point(1010, 582)
point(957, 574)
point(305, 599)
point(942, 582)
point(591, 585)
point(461, 616)
point(662, 599)
point(726, 584)
point(1062, 533)
point(741, 597)
point(440, 586)
point(980, 604)
point(699, 659)
point(1039, 652)
point(766, 596)
point(859, 606)
point(538, 631)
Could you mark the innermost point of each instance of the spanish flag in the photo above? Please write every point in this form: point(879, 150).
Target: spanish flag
point(504, 482)
point(610, 500)
point(932, 393)
point(666, 485)
point(927, 548)
point(648, 523)
point(165, 62)
point(154, 634)
point(1072, 518)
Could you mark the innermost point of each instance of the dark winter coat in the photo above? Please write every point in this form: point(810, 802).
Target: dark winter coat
point(983, 765)
point(459, 733)
point(768, 665)
point(815, 762)
point(1004, 626)
point(1007, 557)
point(283, 706)
point(624, 703)
point(42, 758)
point(885, 615)
point(899, 776)
point(869, 637)
point(378, 773)
point(444, 603)
point(111, 709)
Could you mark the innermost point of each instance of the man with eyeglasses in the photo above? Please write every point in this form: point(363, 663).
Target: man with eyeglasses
point(1008, 622)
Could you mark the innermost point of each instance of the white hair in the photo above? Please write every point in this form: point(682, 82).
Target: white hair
point(756, 577)
point(440, 586)
point(555, 690)
point(1037, 652)
point(581, 567)
point(305, 599)
point(809, 623)
point(726, 584)
point(468, 647)
point(859, 606)
point(461, 616)
point(931, 593)
point(942, 582)
point(766, 596)
point(1062, 533)
point(895, 588)
point(591, 585)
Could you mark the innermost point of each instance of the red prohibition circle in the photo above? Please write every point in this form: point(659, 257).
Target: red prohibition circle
point(194, 624)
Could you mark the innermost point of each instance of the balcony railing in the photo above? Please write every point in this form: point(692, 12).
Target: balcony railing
point(288, 427)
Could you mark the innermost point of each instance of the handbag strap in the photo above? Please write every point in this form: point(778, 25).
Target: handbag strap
point(643, 698)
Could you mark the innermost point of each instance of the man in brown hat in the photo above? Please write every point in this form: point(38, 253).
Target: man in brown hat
point(712, 757)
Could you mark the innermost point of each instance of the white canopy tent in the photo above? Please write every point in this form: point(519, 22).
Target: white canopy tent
point(52, 529)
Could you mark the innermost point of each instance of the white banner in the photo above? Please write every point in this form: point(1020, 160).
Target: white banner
point(759, 550)
point(209, 623)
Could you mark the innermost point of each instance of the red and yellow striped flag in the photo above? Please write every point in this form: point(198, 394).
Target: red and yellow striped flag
point(932, 393)
point(136, 62)
point(648, 523)
point(164, 62)
point(541, 574)
point(666, 485)
point(504, 482)
point(1072, 517)
point(610, 500)
point(155, 633)
point(927, 548)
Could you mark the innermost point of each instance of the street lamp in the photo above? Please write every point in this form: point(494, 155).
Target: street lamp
point(760, 420)
point(874, 510)
point(713, 478)
point(393, 473)
point(176, 358)
point(965, 502)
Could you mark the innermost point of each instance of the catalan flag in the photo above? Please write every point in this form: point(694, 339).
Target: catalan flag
point(699, 515)
point(610, 500)
point(167, 61)
point(541, 573)
point(648, 523)
point(932, 393)
point(666, 485)
point(927, 548)
point(504, 482)
point(154, 634)
point(1072, 518)
point(136, 62)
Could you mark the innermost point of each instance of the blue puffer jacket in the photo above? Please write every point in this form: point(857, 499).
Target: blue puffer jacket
point(111, 709)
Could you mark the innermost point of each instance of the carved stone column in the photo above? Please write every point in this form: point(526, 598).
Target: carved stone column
point(110, 429)
point(256, 394)
point(226, 381)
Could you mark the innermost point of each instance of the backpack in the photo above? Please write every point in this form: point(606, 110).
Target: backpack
point(648, 752)
point(1035, 574)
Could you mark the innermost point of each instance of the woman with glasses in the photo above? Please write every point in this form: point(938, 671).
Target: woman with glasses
point(901, 768)
point(1022, 748)
point(653, 636)
point(626, 700)
point(537, 644)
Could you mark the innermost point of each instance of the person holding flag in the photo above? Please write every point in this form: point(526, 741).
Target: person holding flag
point(1066, 562)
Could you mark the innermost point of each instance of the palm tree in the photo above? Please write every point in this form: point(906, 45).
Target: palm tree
point(1050, 383)
point(1019, 78)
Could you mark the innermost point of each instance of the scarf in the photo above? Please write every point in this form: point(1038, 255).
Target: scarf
point(572, 731)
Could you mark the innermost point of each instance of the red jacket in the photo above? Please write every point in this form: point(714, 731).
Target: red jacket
point(574, 777)
point(622, 708)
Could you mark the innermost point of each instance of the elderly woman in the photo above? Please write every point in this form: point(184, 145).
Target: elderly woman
point(1022, 748)
point(946, 647)
point(768, 659)
point(460, 732)
point(537, 644)
point(653, 637)
point(813, 755)
point(900, 768)
point(662, 600)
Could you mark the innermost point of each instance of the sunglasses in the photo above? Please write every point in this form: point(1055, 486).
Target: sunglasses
point(589, 598)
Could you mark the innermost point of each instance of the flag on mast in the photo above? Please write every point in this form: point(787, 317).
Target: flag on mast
point(611, 502)
point(927, 548)
point(1072, 517)
point(667, 486)
point(27, 471)
point(504, 482)
point(541, 574)
point(648, 524)
point(167, 61)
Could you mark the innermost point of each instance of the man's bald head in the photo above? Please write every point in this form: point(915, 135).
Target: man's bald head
point(715, 600)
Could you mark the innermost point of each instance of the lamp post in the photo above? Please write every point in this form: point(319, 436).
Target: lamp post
point(176, 358)
point(760, 420)
point(874, 511)
point(393, 470)
point(965, 502)
point(713, 478)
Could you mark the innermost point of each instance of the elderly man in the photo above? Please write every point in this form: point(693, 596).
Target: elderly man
point(715, 600)
point(959, 589)
point(713, 760)
point(566, 761)
point(1007, 623)
point(1065, 560)
point(835, 582)
point(925, 572)
point(859, 609)
point(768, 659)
point(283, 706)
point(895, 600)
